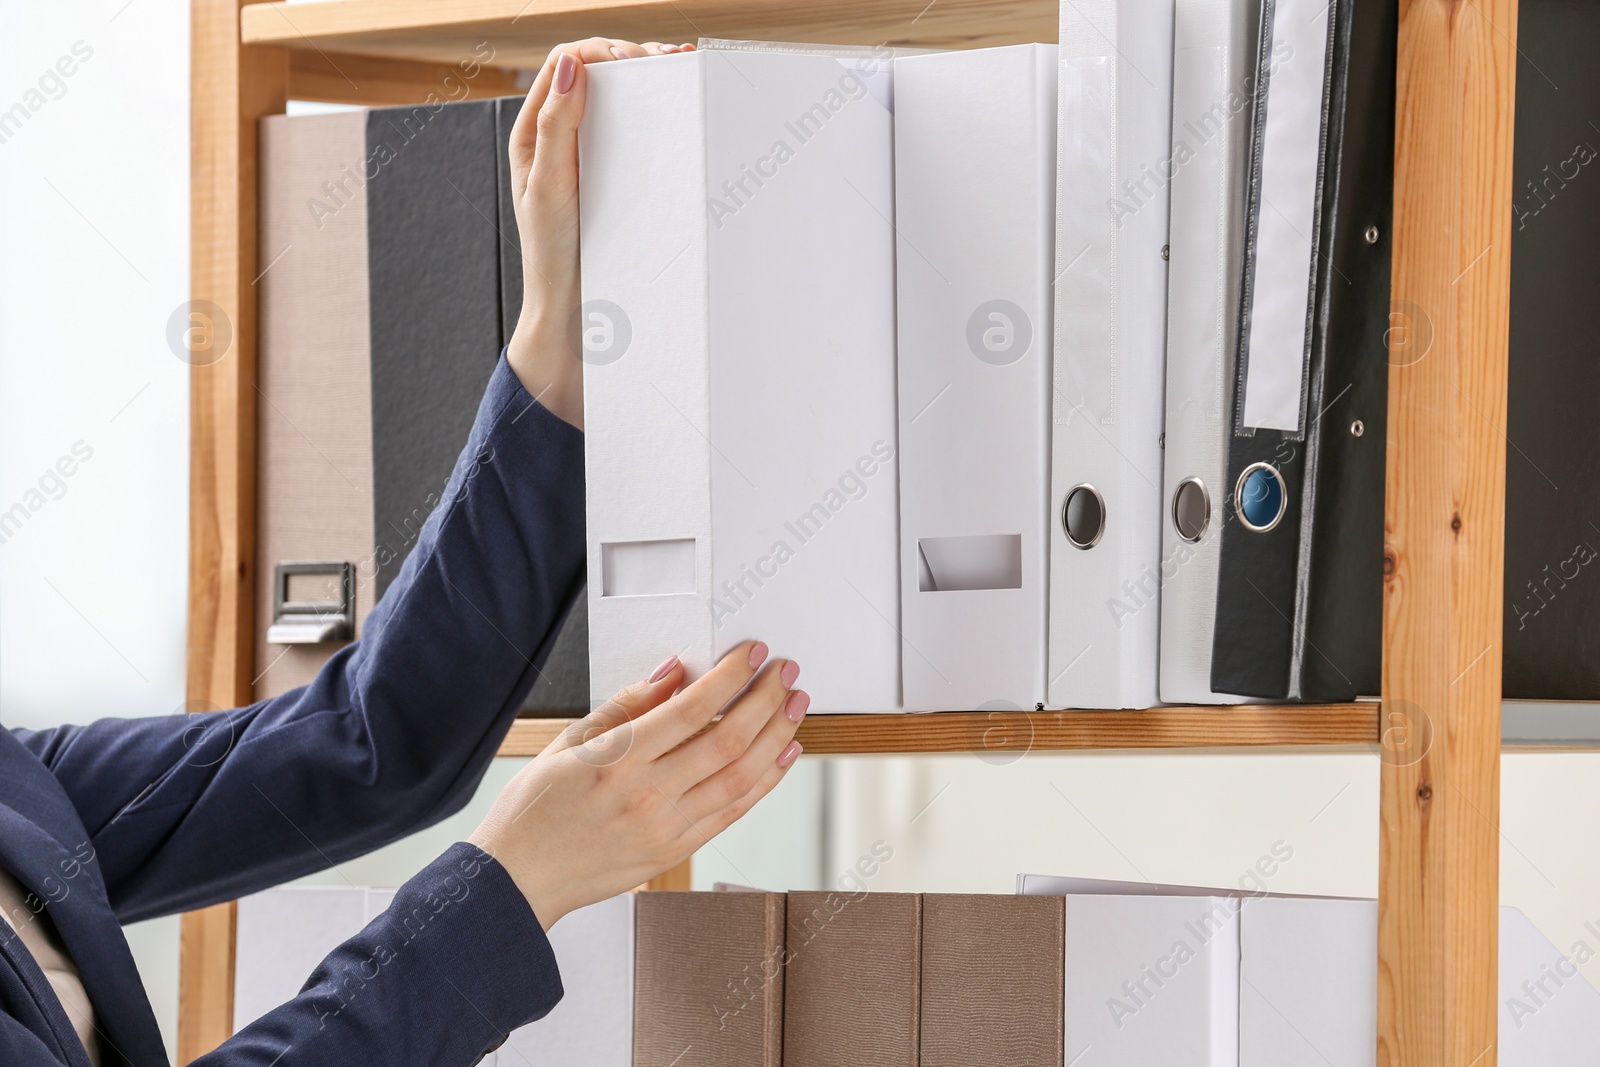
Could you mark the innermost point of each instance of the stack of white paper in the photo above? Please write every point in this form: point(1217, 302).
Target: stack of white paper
point(1111, 288)
point(738, 327)
point(975, 208)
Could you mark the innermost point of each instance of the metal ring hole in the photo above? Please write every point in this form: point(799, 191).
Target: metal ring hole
point(1083, 516)
point(1191, 509)
point(1260, 497)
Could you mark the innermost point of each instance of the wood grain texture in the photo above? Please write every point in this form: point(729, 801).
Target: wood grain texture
point(1438, 840)
point(231, 87)
point(1005, 732)
point(522, 33)
point(375, 81)
point(205, 980)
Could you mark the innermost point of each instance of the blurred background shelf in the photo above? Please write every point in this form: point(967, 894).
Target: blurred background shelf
point(522, 31)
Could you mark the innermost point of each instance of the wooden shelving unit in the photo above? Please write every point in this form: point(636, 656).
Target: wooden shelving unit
point(1439, 859)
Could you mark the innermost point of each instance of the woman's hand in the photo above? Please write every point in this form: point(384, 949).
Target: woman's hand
point(636, 787)
point(544, 189)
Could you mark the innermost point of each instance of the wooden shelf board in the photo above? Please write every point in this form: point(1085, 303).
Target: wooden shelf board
point(521, 32)
point(998, 733)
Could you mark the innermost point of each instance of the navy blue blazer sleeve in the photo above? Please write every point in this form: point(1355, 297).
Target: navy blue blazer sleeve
point(394, 732)
point(441, 976)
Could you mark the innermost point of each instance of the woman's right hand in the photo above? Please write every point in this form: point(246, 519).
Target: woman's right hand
point(637, 786)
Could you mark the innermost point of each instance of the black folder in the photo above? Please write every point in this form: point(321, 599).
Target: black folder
point(441, 241)
point(1552, 563)
point(434, 305)
point(1300, 583)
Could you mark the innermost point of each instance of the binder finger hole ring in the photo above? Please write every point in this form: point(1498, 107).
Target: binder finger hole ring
point(1191, 509)
point(1260, 497)
point(1083, 516)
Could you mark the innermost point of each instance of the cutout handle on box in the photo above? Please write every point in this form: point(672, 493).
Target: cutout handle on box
point(986, 561)
point(647, 568)
point(327, 614)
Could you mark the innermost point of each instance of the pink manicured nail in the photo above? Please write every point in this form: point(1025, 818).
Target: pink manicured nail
point(665, 668)
point(790, 672)
point(758, 654)
point(669, 48)
point(791, 752)
point(619, 53)
point(795, 707)
point(566, 71)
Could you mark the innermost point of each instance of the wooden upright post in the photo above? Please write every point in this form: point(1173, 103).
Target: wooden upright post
point(1439, 838)
point(231, 88)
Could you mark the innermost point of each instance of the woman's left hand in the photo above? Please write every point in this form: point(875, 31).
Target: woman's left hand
point(544, 189)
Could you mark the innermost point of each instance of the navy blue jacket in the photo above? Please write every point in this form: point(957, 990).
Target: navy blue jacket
point(126, 819)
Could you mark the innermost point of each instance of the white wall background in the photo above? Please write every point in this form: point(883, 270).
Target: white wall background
point(93, 260)
point(94, 256)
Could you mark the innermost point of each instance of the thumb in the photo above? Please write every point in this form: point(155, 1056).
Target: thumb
point(626, 706)
point(553, 179)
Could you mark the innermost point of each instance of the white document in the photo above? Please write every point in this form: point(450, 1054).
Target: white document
point(593, 1024)
point(1297, 1007)
point(738, 328)
point(1114, 166)
point(1152, 972)
point(974, 207)
point(1309, 989)
point(1212, 67)
point(1286, 223)
point(280, 937)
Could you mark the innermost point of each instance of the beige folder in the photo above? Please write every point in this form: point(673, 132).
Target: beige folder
point(853, 981)
point(708, 980)
point(313, 408)
point(992, 980)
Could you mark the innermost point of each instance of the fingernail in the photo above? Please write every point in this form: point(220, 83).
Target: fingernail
point(669, 48)
point(665, 668)
point(790, 753)
point(795, 707)
point(758, 654)
point(790, 672)
point(566, 71)
point(619, 53)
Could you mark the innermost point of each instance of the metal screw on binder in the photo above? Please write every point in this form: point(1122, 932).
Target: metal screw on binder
point(312, 622)
point(1166, 252)
point(1357, 428)
point(1372, 235)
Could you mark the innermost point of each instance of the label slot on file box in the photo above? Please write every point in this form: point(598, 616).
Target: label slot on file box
point(647, 568)
point(991, 561)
